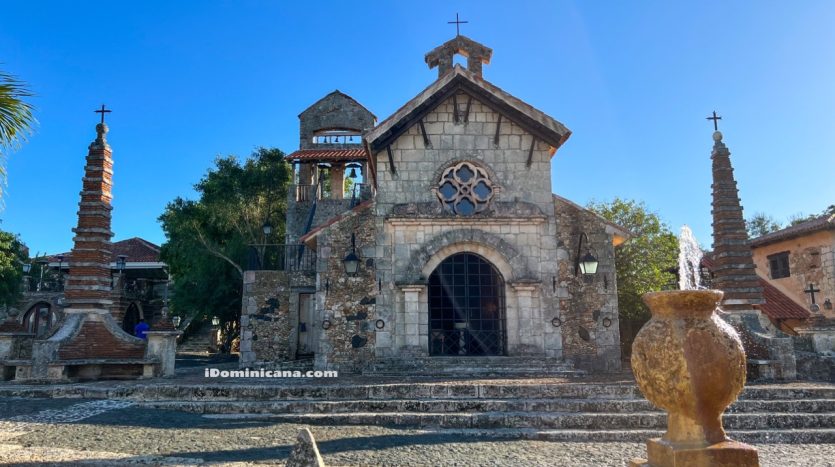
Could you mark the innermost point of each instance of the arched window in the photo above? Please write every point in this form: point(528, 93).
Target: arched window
point(465, 189)
point(39, 318)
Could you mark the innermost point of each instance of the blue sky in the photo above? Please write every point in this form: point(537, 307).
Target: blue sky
point(634, 81)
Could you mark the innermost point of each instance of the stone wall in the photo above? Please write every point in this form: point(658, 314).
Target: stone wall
point(811, 261)
point(348, 304)
point(586, 303)
point(265, 318)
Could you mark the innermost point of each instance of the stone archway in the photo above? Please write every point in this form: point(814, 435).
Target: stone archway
point(39, 318)
point(133, 314)
point(466, 301)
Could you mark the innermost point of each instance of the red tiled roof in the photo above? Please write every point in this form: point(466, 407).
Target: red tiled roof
point(803, 228)
point(135, 249)
point(353, 154)
point(777, 306)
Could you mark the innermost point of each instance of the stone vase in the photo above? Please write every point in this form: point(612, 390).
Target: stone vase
point(691, 363)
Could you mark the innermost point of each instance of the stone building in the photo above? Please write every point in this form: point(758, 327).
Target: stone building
point(450, 248)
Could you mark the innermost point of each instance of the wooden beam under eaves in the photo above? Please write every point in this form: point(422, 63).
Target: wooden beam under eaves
point(392, 169)
point(530, 151)
point(426, 143)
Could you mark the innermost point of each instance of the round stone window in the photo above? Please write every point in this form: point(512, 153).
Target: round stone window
point(465, 189)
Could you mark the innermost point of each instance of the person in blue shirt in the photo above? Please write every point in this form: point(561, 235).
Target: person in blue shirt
point(140, 328)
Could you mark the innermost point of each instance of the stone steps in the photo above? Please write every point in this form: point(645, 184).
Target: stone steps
point(813, 406)
point(555, 420)
point(468, 367)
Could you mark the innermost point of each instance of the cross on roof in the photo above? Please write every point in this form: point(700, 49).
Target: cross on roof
point(811, 291)
point(715, 119)
point(102, 111)
point(457, 24)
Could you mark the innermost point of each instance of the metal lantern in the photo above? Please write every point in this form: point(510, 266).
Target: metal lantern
point(215, 321)
point(352, 261)
point(588, 264)
point(267, 228)
point(27, 267)
point(176, 321)
point(121, 261)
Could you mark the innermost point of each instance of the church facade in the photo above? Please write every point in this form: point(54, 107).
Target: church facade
point(448, 243)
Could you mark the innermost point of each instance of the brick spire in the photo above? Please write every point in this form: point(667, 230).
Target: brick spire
point(88, 286)
point(734, 271)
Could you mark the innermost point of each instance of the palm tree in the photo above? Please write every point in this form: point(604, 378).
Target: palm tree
point(16, 119)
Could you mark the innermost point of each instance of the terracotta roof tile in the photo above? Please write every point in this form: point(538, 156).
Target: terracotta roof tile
point(325, 155)
point(814, 225)
point(777, 306)
point(136, 249)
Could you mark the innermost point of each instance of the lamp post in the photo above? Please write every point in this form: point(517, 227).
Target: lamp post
point(60, 259)
point(121, 262)
point(587, 264)
point(42, 263)
point(266, 229)
point(352, 261)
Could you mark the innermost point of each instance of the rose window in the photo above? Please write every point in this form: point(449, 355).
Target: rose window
point(465, 189)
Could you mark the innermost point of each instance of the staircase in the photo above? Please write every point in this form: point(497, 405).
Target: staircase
point(197, 343)
point(469, 367)
point(508, 409)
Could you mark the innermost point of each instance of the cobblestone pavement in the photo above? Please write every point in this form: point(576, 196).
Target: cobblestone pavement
point(72, 432)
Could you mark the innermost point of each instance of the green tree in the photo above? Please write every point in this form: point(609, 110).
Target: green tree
point(16, 118)
point(760, 224)
point(11, 274)
point(643, 263)
point(208, 240)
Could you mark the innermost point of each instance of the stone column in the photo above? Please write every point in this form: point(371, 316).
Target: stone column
point(337, 180)
point(411, 318)
point(528, 314)
point(162, 346)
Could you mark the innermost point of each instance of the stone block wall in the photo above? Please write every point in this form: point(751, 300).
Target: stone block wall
point(586, 304)
point(348, 304)
point(265, 318)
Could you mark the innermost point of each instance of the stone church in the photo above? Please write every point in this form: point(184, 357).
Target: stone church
point(447, 249)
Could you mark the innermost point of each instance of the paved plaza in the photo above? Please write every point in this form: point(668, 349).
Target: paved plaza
point(107, 423)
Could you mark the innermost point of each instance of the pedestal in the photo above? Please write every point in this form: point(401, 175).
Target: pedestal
point(729, 453)
point(162, 346)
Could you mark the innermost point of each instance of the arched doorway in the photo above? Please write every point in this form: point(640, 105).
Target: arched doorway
point(466, 307)
point(38, 319)
point(131, 318)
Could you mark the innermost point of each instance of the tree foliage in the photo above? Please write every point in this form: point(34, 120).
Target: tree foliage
point(208, 239)
point(644, 262)
point(16, 117)
point(11, 275)
point(760, 224)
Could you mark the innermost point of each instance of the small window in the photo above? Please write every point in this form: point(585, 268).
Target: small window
point(814, 259)
point(779, 265)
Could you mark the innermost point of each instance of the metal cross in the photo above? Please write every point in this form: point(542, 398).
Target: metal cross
point(715, 119)
point(102, 112)
point(811, 291)
point(457, 24)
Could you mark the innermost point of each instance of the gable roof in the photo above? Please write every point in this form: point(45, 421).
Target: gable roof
point(803, 228)
point(619, 233)
point(137, 250)
point(352, 154)
point(336, 92)
point(532, 120)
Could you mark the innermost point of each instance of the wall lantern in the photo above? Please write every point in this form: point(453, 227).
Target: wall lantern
point(827, 304)
point(176, 321)
point(27, 267)
point(215, 321)
point(352, 261)
point(587, 264)
point(121, 261)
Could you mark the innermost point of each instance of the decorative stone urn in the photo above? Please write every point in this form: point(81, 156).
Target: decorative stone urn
point(691, 363)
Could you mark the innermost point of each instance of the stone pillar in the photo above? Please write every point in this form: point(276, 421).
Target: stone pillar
point(734, 271)
point(88, 285)
point(337, 180)
point(162, 346)
point(413, 339)
point(528, 315)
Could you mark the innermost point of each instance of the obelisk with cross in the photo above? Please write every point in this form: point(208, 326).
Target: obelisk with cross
point(734, 271)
